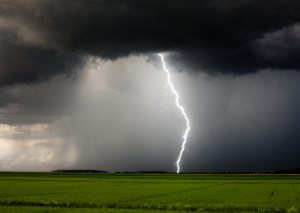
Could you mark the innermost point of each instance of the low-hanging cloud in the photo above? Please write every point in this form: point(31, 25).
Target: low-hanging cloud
point(43, 39)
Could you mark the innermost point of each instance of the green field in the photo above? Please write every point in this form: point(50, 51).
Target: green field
point(133, 193)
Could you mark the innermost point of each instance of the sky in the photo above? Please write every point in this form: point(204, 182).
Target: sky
point(82, 86)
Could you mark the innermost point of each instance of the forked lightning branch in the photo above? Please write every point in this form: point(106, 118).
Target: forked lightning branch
point(182, 110)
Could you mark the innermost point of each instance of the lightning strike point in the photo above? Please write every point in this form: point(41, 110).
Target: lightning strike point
point(183, 147)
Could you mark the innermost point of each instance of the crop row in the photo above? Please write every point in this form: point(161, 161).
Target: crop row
point(146, 206)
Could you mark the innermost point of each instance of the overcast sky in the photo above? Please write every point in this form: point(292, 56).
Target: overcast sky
point(81, 85)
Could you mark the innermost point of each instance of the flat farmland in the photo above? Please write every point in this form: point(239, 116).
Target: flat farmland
point(64, 192)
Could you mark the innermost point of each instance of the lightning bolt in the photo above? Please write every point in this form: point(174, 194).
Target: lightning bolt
point(183, 147)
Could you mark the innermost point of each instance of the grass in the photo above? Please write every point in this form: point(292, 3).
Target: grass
point(148, 192)
point(22, 209)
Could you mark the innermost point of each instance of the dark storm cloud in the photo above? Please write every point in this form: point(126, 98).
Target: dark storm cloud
point(42, 39)
point(25, 63)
